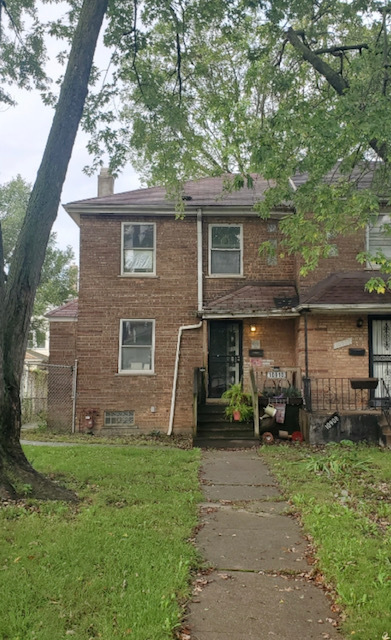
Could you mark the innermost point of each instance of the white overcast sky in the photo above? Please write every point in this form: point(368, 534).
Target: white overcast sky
point(23, 134)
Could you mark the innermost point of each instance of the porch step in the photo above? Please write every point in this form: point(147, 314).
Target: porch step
point(213, 425)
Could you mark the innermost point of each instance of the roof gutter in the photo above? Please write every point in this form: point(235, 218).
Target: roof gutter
point(272, 313)
point(346, 308)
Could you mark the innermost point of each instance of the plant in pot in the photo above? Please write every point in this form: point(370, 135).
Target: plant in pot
point(293, 395)
point(239, 406)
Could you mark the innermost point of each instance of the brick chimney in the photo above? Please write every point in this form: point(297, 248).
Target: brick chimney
point(105, 183)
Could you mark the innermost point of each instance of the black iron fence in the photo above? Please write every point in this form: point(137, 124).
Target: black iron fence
point(338, 394)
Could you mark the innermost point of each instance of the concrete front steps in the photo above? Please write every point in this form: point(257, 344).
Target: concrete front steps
point(215, 431)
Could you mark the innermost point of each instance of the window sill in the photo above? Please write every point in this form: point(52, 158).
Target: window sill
point(138, 275)
point(135, 373)
point(213, 276)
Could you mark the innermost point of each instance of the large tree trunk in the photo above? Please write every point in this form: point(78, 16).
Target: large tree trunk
point(17, 292)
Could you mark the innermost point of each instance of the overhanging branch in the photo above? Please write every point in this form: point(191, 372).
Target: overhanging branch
point(335, 80)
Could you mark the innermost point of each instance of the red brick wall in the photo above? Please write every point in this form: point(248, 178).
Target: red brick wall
point(348, 248)
point(170, 298)
point(63, 342)
point(255, 267)
point(277, 339)
point(324, 331)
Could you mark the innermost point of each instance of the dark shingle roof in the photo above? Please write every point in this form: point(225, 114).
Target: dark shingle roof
point(260, 297)
point(67, 310)
point(197, 193)
point(347, 288)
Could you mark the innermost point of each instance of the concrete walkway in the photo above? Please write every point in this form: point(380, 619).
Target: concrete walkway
point(258, 587)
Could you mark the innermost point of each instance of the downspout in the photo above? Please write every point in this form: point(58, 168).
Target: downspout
point(174, 384)
point(189, 326)
point(199, 260)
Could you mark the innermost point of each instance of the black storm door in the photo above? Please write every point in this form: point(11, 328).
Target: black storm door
point(381, 354)
point(225, 356)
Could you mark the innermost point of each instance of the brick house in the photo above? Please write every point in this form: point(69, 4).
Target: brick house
point(166, 302)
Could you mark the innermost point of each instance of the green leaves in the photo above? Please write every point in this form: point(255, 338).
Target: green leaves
point(59, 273)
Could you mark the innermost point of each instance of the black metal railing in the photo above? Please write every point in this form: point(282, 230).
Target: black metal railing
point(336, 394)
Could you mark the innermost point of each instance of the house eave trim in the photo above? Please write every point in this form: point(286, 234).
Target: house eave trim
point(272, 313)
point(75, 211)
point(347, 308)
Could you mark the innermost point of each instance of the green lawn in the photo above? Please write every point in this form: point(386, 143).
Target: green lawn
point(116, 565)
point(343, 496)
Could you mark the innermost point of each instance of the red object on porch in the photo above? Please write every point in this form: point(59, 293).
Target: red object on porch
point(297, 436)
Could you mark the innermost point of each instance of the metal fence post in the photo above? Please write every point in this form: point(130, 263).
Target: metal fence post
point(307, 393)
point(74, 393)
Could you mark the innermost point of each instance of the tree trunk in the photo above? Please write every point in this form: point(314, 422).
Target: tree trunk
point(17, 292)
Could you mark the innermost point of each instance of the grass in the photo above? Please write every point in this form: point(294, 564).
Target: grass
point(343, 496)
point(138, 440)
point(117, 565)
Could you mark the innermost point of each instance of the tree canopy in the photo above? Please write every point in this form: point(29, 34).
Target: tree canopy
point(277, 88)
point(58, 281)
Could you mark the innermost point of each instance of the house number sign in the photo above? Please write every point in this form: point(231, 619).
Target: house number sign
point(276, 374)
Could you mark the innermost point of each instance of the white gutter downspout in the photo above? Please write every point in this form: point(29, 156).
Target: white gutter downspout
point(199, 260)
point(174, 384)
point(189, 326)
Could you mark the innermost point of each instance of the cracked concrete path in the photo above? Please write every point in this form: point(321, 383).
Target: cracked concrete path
point(257, 589)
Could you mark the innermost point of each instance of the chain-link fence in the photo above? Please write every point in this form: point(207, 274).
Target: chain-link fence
point(48, 395)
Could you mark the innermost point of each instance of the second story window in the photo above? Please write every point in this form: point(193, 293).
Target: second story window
point(225, 250)
point(379, 237)
point(138, 248)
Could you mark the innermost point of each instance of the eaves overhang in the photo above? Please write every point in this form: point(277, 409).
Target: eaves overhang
point(269, 313)
point(345, 308)
point(75, 211)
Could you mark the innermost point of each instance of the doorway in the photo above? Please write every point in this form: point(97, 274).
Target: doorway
point(380, 354)
point(225, 356)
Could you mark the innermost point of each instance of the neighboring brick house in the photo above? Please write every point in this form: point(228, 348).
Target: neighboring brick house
point(161, 297)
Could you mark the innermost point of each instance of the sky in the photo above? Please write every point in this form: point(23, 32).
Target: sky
point(23, 134)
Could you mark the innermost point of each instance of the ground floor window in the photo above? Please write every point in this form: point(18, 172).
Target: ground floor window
point(137, 346)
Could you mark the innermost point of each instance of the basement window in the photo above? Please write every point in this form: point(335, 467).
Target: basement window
point(119, 418)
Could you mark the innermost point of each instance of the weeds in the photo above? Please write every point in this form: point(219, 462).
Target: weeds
point(342, 494)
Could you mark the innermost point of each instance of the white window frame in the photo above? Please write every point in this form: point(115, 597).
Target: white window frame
point(138, 274)
point(137, 372)
point(225, 275)
point(379, 222)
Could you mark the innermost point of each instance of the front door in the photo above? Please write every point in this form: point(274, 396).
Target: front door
point(381, 354)
point(225, 356)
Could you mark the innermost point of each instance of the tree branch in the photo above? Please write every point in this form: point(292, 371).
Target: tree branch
point(340, 49)
point(178, 53)
point(335, 80)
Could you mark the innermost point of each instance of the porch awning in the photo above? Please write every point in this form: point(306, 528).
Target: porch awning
point(255, 300)
point(345, 291)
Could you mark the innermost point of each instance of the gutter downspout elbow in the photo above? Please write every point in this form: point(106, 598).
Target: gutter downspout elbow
point(176, 369)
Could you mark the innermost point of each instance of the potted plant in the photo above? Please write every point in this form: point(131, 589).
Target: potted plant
point(239, 406)
point(293, 395)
